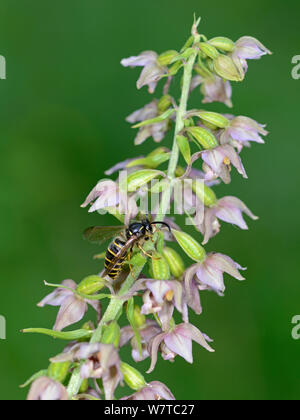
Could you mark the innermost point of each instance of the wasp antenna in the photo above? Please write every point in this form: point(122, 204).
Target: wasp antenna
point(161, 223)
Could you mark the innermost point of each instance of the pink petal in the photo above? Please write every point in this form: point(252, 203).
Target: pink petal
point(180, 345)
point(71, 311)
point(190, 331)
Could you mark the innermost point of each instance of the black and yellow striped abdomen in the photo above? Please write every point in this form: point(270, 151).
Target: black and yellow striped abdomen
point(111, 253)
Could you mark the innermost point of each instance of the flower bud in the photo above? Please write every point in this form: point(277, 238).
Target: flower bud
point(222, 43)
point(111, 334)
point(164, 103)
point(132, 377)
point(175, 262)
point(206, 139)
point(190, 246)
point(209, 50)
point(204, 193)
point(166, 57)
point(58, 371)
point(139, 318)
point(160, 267)
point(90, 285)
point(225, 67)
point(139, 178)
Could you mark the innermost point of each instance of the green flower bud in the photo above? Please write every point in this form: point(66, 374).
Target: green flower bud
point(58, 371)
point(184, 147)
point(111, 334)
point(164, 103)
point(90, 285)
point(224, 66)
point(166, 57)
point(222, 43)
point(132, 377)
point(139, 318)
point(160, 267)
point(139, 178)
point(206, 139)
point(175, 262)
point(190, 246)
point(209, 50)
point(204, 193)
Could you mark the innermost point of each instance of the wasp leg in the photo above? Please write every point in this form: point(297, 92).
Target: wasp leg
point(130, 266)
point(145, 253)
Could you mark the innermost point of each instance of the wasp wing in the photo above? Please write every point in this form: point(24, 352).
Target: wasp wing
point(100, 234)
point(120, 255)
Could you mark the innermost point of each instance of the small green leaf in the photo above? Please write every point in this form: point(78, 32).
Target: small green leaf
point(205, 138)
point(190, 246)
point(218, 120)
point(139, 178)
point(155, 120)
point(69, 335)
point(184, 147)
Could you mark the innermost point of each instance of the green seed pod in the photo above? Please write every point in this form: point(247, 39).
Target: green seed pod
point(139, 178)
point(224, 66)
point(160, 267)
point(151, 162)
point(111, 334)
point(58, 371)
point(206, 139)
point(84, 386)
point(90, 285)
point(175, 262)
point(218, 120)
point(158, 151)
point(164, 103)
point(204, 193)
point(184, 147)
point(166, 57)
point(222, 43)
point(190, 246)
point(132, 377)
point(209, 50)
point(139, 319)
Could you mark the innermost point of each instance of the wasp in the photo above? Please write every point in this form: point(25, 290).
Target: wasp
point(122, 245)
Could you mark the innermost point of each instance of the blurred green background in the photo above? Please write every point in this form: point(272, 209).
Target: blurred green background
point(62, 124)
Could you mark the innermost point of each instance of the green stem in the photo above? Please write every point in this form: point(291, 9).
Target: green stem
point(187, 77)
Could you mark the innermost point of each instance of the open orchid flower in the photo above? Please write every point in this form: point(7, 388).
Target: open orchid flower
point(179, 341)
point(227, 209)
point(218, 163)
point(214, 89)
point(208, 275)
point(72, 307)
point(152, 71)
